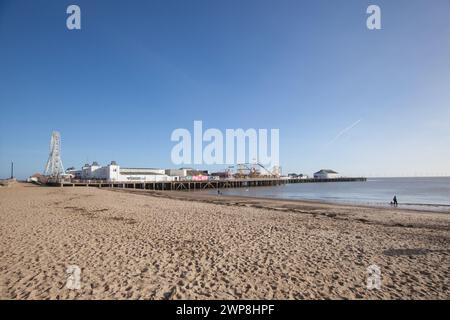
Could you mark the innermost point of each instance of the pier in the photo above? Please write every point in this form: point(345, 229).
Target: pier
point(185, 185)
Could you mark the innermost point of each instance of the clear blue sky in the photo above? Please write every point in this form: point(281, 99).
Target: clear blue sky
point(140, 69)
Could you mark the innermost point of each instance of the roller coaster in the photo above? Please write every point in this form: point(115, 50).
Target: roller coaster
point(253, 170)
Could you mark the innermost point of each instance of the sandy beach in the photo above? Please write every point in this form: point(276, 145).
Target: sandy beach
point(141, 245)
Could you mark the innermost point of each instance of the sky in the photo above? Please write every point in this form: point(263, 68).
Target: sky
point(362, 102)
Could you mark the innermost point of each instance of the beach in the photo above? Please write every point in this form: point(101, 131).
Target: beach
point(179, 245)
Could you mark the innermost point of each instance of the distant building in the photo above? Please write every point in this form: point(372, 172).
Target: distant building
point(177, 172)
point(37, 178)
point(297, 176)
point(326, 174)
point(73, 173)
point(222, 175)
point(186, 172)
point(113, 172)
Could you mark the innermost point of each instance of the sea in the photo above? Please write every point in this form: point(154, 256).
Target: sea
point(431, 194)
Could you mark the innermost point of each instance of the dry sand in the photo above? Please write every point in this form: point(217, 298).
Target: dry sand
point(137, 246)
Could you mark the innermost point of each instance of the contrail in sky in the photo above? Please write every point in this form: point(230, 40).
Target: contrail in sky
point(344, 131)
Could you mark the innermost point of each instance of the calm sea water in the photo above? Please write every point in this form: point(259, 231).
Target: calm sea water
point(415, 193)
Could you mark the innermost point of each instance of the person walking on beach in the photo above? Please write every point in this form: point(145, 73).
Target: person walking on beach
point(395, 201)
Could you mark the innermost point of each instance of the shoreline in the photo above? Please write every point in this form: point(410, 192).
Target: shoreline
point(386, 217)
point(203, 196)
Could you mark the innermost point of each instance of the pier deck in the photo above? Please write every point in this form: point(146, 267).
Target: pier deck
point(197, 185)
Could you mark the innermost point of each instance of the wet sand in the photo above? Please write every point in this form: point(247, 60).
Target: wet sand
point(178, 245)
